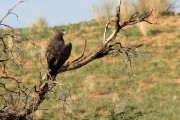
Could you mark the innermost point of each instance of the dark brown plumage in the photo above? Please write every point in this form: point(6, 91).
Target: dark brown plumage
point(57, 53)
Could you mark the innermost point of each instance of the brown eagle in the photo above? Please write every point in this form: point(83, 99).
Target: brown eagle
point(57, 53)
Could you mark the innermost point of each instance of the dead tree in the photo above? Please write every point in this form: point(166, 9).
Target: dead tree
point(29, 105)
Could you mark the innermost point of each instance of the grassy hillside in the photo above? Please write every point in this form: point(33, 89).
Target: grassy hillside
point(105, 89)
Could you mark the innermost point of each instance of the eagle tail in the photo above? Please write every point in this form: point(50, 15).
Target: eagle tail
point(52, 75)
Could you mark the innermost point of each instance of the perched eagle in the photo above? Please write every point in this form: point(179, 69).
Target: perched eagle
point(57, 53)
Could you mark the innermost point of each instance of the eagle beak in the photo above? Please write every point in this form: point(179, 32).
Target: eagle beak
point(64, 32)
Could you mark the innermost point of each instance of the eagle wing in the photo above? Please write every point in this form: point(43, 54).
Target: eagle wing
point(53, 54)
point(65, 54)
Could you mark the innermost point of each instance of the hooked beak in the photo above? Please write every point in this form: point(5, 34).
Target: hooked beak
point(64, 32)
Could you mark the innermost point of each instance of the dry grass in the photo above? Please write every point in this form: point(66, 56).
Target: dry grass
point(143, 28)
point(40, 24)
point(159, 6)
point(131, 7)
point(103, 10)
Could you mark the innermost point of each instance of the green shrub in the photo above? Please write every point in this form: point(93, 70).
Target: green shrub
point(154, 31)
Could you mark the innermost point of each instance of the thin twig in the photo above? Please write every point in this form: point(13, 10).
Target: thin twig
point(8, 26)
point(4, 60)
point(10, 11)
point(81, 56)
point(137, 18)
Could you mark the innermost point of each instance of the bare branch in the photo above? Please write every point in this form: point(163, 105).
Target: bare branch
point(137, 18)
point(10, 78)
point(116, 24)
point(105, 30)
point(10, 11)
point(4, 60)
point(82, 54)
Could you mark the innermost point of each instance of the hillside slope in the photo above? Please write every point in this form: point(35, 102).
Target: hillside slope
point(106, 89)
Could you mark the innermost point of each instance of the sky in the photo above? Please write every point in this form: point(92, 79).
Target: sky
point(56, 12)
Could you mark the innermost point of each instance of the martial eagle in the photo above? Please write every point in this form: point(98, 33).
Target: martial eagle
point(57, 53)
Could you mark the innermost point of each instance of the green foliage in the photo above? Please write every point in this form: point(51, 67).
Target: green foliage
point(132, 32)
point(129, 113)
point(168, 29)
point(154, 31)
point(40, 34)
point(34, 33)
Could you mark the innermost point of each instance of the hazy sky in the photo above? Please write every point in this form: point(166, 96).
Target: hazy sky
point(56, 12)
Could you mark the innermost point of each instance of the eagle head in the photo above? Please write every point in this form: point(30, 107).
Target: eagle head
point(60, 32)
